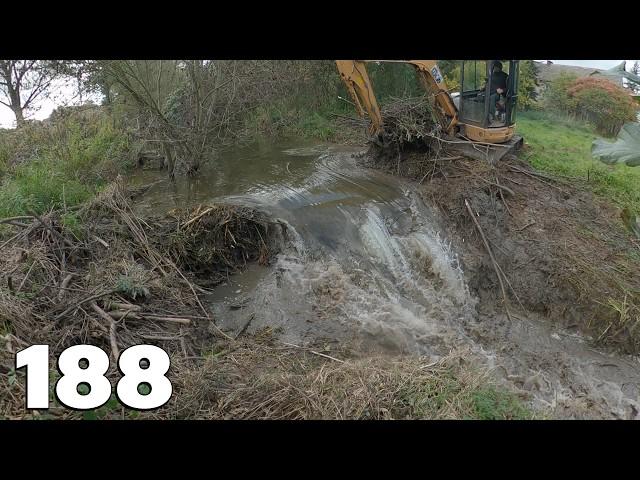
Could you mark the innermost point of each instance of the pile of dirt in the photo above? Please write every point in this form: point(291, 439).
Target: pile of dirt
point(532, 242)
point(101, 275)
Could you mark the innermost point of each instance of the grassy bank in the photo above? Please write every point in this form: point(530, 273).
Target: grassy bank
point(562, 146)
point(270, 381)
point(604, 261)
point(63, 162)
point(297, 120)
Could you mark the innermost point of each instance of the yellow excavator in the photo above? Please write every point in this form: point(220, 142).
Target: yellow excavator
point(478, 121)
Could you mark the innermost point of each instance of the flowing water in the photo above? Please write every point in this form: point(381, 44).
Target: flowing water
point(366, 264)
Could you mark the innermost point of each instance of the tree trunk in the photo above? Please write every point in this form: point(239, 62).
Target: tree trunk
point(105, 89)
point(16, 105)
point(17, 110)
point(169, 161)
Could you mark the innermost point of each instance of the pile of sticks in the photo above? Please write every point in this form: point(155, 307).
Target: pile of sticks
point(409, 120)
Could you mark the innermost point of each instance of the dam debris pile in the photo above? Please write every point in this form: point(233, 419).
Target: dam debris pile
point(216, 240)
point(409, 121)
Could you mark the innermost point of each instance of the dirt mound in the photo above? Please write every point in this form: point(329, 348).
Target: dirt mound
point(558, 250)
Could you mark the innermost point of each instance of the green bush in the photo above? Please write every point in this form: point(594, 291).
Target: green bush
point(556, 96)
point(527, 83)
point(606, 105)
point(394, 80)
point(38, 186)
point(597, 101)
point(493, 404)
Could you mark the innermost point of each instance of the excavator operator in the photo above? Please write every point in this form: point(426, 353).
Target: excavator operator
point(499, 81)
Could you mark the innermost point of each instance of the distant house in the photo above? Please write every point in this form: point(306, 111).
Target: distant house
point(549, 71)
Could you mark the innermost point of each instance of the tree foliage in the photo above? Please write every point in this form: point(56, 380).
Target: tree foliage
point(606, 105)
point(24, 82)
point(598, 101)
point(528, 83)
point(187, 107)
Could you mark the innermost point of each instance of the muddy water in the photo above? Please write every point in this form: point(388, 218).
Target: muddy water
point(366, 264)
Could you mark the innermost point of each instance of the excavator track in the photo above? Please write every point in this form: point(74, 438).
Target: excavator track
point(491, 153)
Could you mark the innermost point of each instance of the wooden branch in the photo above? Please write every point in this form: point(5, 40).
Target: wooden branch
point(314, 352)
point(64, 285)
point(52, 230)
point(20, 217)
point(101, 241)
point(82, 302)
point(25, 277)
point(493, 259)
point(135, 315)
point(115, 351)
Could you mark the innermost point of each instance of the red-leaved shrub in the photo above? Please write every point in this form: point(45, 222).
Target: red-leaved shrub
point(601, 102)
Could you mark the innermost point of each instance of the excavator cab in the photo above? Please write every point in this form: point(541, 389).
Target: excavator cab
point(487, 99)
point(482, 114)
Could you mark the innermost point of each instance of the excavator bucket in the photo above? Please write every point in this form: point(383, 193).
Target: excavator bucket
point(491, 153)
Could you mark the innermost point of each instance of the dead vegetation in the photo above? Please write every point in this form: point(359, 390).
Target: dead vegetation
point(215, 240)
point(113, 280)
point(407, 122)
point(259, 378)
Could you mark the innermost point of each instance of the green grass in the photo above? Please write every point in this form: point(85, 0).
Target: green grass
point(560, 145)
point(39, 186)
point(485, 402)
point(493, 404)
point(50, 166)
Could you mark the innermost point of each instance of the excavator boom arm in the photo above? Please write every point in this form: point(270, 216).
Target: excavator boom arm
point(354, 74)
point(355, 77)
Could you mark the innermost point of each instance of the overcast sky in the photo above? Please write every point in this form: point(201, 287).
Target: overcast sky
point(603, 64)
point(64, 93)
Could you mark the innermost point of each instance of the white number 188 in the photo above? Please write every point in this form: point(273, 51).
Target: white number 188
point(83, 385)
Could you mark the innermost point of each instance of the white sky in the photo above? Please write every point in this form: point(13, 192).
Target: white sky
point(601, 64)
point(64, 93)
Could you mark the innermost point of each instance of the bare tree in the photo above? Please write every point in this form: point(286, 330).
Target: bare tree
point(189, 107)
point(22, 82)
point(148, 84)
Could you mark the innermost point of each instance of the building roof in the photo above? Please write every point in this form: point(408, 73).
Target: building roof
point(548, 71)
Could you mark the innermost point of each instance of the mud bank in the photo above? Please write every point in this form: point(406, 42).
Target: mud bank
point(568, 264)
